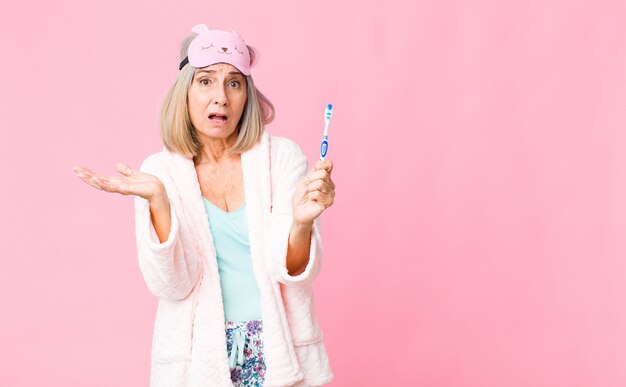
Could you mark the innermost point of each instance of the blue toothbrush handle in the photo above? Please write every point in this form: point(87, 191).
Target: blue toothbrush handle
point(324, 148)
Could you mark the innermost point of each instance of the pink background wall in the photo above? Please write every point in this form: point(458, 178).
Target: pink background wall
point(477, 238)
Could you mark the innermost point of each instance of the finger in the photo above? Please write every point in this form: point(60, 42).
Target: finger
point(332, 183)
point(319, 185)
point(115, 183)
point(323, 199)
point(322, 176)
point(329, 165)
point(89, 181)
point(319, 174)
point(80, 171)
point(324, 164)
point(105, 184)
point(97, 181)
point(110, 180)
point(124, 169)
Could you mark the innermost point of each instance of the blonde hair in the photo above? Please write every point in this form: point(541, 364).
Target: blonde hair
point(177, 131)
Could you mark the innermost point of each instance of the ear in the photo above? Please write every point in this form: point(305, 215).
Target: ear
point(200, 29)
point(254, 56)
point(236, 33)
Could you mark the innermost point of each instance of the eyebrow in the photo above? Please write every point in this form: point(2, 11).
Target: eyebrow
point(213, 72)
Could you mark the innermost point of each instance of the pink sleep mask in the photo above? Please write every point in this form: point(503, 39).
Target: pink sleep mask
point(216, 46)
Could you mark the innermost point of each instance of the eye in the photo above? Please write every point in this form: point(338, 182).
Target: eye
point(236, 83)
point(204, 81)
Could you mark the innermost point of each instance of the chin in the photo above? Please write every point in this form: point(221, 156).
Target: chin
point(221, 133)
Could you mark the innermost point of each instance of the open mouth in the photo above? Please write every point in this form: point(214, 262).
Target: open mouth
point(218, 118)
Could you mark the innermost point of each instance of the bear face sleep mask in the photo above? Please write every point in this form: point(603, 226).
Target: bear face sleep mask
point(216, 46)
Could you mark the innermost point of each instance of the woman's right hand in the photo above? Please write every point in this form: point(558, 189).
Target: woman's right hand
point(133, 182)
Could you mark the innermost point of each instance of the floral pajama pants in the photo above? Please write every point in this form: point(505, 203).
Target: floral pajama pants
point(244, 345)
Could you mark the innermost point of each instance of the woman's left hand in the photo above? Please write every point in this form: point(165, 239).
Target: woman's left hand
point(314, 194)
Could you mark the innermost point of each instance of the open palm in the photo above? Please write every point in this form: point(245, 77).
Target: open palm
point(132, 182)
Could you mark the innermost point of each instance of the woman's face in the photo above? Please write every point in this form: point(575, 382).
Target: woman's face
point(217, 96)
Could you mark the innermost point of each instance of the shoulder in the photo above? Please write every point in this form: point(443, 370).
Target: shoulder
point(285, 150)
point(289, 163)
point(155, 163)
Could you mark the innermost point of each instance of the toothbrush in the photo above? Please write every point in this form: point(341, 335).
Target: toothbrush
point(327, 115)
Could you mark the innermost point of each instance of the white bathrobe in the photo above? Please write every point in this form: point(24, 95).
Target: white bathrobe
point(189, 342)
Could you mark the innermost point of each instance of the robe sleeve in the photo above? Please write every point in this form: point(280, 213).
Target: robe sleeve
point(289, 167)
point(168, 270)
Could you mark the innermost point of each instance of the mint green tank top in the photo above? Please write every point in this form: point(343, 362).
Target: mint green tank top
point(240, 292)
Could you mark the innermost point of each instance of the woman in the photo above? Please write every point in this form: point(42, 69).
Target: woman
point(228, 233)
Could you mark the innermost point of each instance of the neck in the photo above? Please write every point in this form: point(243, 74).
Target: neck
point(213, 150)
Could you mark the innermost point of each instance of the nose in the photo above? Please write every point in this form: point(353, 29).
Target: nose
point(224, 49)
point(220, 97)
